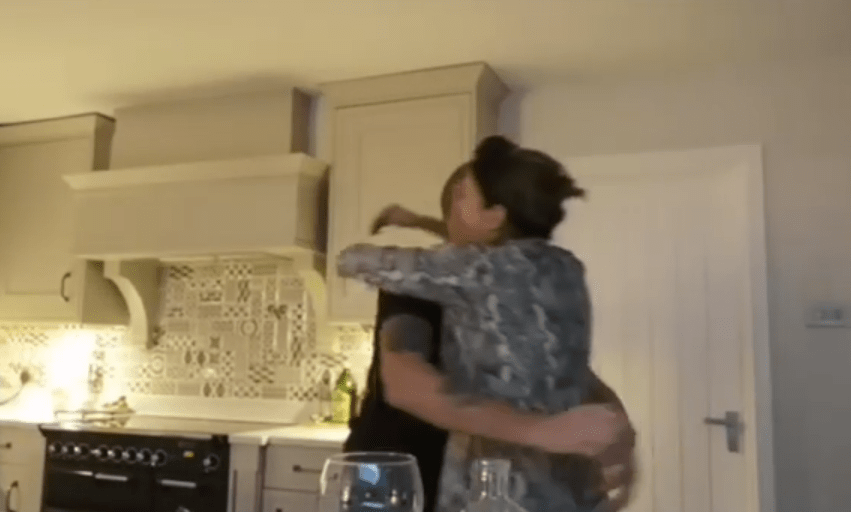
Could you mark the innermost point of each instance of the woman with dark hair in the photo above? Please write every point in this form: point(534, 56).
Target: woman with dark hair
point(517, 315)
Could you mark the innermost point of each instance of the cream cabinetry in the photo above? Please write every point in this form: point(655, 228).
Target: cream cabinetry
point(395, 139)
point(40, 280)
point(20, 488)
point(291, 476)
point(21, 469)
point(289, 501)
point(246, 476)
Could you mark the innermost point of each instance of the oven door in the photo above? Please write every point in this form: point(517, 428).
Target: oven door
point(70, 488)
point(190, 493)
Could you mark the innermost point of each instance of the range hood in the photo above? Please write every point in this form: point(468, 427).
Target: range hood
point(204, 178)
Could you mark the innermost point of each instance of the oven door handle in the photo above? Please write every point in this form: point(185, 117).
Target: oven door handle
point(177, 484)
point(84, 474)
point(106, 477)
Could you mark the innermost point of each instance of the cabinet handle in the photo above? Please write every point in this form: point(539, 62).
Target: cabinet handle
point(6, 446)
point(13, 487)
point(65, 277)
point(298, 469)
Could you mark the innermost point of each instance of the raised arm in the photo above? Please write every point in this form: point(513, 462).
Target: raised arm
point(447, 275)
point(395, 215)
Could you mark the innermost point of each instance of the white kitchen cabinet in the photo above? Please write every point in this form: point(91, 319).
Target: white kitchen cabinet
point(295, 468)
point(20, 444)
point(395, 139)
point(40, 280)
point(246, 476)
point(20, 488)
point(290, 501)
point(21, 468)
point(291, 476)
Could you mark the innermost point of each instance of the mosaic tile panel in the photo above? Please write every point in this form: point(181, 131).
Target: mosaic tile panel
point(240, 328)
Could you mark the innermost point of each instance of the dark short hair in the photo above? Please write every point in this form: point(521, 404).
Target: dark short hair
point(529, 184)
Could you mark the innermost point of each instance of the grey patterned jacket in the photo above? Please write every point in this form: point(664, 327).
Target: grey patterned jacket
point(517, 321)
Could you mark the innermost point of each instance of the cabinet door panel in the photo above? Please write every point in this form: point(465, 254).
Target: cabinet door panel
point(40, 280)
point(399, 152)
point(20, 445)
point(35, 221)
point(285, 501)
point(20, 488)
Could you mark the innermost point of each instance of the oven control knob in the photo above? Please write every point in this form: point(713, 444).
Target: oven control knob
point(81, 450)
point(66, 449)
point(100, 452)
point(53, 449)
point(144, 456)
point(159, 458)
point(114, 453)
point(211, 462)
point(129, 456)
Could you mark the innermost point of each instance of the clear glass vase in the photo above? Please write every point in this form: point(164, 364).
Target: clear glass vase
point(489, 483)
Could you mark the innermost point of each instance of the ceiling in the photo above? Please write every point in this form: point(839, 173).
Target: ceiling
point(60, 57)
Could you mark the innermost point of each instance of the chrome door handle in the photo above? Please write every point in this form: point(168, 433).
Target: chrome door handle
point(732, 422)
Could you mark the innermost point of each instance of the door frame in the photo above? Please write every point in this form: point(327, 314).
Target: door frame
point(757, 395)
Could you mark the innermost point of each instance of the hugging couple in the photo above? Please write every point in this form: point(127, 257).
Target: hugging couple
point(482, 345)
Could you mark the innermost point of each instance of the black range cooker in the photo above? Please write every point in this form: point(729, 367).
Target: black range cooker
point(138, 467)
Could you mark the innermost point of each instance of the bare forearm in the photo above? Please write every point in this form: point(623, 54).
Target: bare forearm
point(432, 225)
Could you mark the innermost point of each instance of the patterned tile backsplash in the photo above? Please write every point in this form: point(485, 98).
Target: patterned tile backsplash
point(231, 329)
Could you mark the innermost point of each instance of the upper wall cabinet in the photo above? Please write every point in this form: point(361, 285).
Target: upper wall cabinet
point(40, 280)
point(396, 139)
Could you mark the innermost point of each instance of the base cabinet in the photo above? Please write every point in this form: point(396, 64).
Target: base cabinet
point(291, 476)
point(290, 501)
point(21, 469)
point(20, 488)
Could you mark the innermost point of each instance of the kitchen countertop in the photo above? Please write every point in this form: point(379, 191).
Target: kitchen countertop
point(19, 423)
point(313, 435)
point(320, 436)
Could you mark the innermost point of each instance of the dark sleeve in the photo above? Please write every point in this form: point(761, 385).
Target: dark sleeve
point(408, 324)
point(600, 393)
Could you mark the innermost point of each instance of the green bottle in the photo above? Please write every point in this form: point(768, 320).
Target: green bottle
point(343, 398)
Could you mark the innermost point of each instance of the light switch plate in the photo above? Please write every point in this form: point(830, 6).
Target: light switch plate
point(829, 314)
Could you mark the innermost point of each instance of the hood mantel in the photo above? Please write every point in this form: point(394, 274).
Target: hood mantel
point(204, 178)
point(270, 204)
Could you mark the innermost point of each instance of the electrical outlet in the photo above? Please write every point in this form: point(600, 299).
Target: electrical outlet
point(829, 314)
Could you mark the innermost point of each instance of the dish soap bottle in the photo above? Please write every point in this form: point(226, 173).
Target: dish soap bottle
point(343, 397)
point(489, 487)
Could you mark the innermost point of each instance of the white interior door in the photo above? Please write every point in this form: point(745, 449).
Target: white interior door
point(674, 248)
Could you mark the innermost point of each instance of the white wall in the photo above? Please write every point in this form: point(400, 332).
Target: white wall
point(801, 112)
